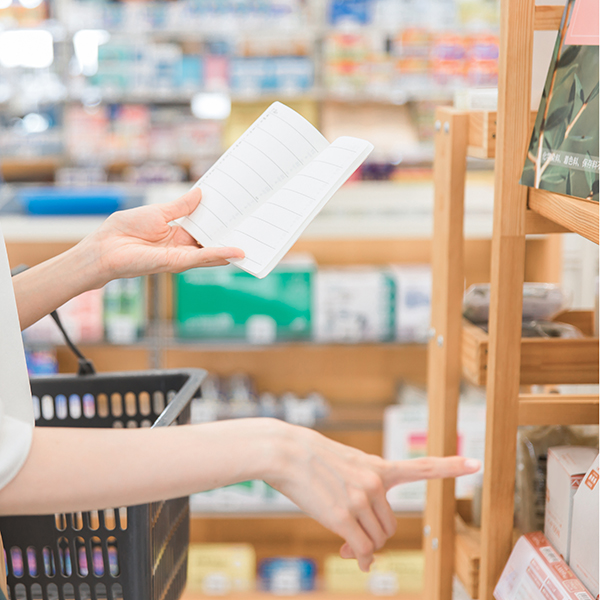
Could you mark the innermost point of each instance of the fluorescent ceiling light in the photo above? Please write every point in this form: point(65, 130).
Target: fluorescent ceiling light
point(212, 105)
point(29, 48)
point(86, 43)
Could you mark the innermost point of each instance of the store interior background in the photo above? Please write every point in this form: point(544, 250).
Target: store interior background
point(142, 97)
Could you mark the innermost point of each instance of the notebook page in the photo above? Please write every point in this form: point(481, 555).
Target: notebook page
point(273, 149)
point(271, 229)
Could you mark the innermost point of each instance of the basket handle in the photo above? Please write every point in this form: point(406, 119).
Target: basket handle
point(86, 366)
point(182, 398)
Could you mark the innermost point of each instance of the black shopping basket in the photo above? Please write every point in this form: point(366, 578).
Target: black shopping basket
point(132, 553)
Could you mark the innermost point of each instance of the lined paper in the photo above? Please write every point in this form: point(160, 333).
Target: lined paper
point(262, 193)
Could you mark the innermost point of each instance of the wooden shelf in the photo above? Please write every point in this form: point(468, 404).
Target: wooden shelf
point(35, 168)
point(558, 409)
point(543, 360)
point(576, 215)
point(293, 535)
point(365, 373)
point(317, 595)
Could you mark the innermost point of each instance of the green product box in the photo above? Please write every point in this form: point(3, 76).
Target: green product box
point(228, 303)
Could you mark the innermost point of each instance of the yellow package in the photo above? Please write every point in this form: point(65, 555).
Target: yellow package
point(217, 569)
point(393, 572)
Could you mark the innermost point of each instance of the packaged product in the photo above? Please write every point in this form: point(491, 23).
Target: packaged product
point(566, 467)
point(583, 557)
point(535, 571)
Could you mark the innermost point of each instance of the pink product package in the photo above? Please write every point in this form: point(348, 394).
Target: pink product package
point(535, 571)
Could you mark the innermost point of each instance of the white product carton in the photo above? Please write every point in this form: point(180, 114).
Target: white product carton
point(413, 302)
point(535, 571)
point(405, 436)
point(584, 530)
point(566, 467)
point(353, 305)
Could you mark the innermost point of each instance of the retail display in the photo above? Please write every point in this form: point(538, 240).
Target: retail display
point(226, 303)
point(287, 575)
point(405, 437)
point(536, 572)
point(566, 468)
point(533, 444)
point(219, 569)
point(540, 301)
point(393, 572)
point(563, 153)
point(584, 530)
point(266, 189)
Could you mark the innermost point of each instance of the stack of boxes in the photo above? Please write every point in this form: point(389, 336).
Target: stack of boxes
point(563, 563)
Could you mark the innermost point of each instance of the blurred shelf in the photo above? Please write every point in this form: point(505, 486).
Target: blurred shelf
point(318, 595)
point(297, 534)
point(575, 214)
point(543, 360)
point(18, 169)
point(558, 409)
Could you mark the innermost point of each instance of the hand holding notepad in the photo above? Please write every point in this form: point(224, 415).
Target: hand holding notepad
point(264, 191)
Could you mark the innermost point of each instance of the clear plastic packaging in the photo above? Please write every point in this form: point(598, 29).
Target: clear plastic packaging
point(540, 301)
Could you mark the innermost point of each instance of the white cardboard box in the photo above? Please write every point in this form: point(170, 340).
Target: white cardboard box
point(584, 530)
point(535, 571)
point(566, 467)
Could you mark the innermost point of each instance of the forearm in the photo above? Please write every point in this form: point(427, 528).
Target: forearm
point(82, 469)
point(46, 286)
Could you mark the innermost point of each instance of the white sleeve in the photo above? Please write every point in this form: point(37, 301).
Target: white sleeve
point(16, 406)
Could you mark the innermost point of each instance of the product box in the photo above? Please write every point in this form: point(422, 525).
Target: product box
point(413, 302)
point(584, 530)
point(228, 303)
point(405, 436)
point(218, 569)
point(246, 496)
point(125, 310)
point(566, 467)
point(354, 305)
point(393, 572)
point(535, 571)
point(81, 317)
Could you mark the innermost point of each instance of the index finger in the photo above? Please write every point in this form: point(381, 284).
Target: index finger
point(430, 467)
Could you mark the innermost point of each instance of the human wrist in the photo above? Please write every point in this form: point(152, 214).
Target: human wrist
point(274, 449)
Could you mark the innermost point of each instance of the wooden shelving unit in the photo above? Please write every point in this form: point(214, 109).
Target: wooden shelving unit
point(501, 359)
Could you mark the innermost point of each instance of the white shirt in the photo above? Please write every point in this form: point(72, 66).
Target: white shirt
point(16, 406)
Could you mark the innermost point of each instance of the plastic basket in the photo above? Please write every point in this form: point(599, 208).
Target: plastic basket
point(133, 553)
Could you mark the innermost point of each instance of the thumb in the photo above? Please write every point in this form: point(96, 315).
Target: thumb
point(183, 206)
point(430, 467)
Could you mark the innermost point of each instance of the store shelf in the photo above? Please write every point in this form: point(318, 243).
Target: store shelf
point(558, 409)
point(189, 595)
point(575, 214)
point(547, 17)
point(296, 534)
point(38, 168)
point(365, 373)
point(543, 360)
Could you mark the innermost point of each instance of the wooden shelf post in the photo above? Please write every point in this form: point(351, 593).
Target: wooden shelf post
point(444, 369)
point(508, 260)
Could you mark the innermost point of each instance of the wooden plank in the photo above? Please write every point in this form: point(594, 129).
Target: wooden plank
point(542, 360)
point(508, 259)
point(30, 169)
point(536, 224)
point(367, 373)
point(575, 214)
point(482, 134)
point(468, 555)
point(292, 535)
point(547, 17)
point(582, 319)
point(443, 381)
point(316, 595)
point(106, 358)
point(558, 409)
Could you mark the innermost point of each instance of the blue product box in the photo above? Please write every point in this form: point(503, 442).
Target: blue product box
point(70, 201)
point(287, 575)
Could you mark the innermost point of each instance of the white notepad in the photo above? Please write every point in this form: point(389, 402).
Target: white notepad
point(263, 192)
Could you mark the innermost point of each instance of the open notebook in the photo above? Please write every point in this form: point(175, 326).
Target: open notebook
point(263, 192)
